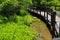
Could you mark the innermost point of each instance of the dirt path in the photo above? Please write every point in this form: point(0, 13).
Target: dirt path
point(42, 29)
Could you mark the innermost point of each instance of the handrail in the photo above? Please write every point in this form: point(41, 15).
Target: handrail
point(53, 21)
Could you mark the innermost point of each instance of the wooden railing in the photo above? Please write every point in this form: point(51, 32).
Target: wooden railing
point(49, 12)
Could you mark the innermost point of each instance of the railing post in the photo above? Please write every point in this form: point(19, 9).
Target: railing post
point(40, 12)
point(59, 30)
point(53, 16)
point(44, 13)
point(47, 15)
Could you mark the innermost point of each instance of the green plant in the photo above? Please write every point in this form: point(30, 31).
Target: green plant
point(23, 12)
point(28, 19)
point(14, 26)
point(13, 31)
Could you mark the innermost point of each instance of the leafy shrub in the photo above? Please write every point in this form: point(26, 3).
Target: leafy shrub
point(18, 19)
point(8, 10)
point(13, 26)
point(23, 12)
point(28, 19)
point(9, 7)
point(12, 31)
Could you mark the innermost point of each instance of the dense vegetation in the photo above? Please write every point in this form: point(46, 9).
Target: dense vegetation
point(15, 20)
point(47, 2)
point(50, 3)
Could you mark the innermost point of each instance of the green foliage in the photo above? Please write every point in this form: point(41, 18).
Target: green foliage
point(12, 31)
point(28, 19)
point(47, 2)
point(23, 12)
point(14, 20)
point(7, 11)
point(10, 7)
point(18, 19)
point(25, 3)
point(3, 19)
point(1, 1)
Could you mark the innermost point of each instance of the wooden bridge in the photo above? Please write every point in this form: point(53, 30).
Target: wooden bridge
point(50, 16)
